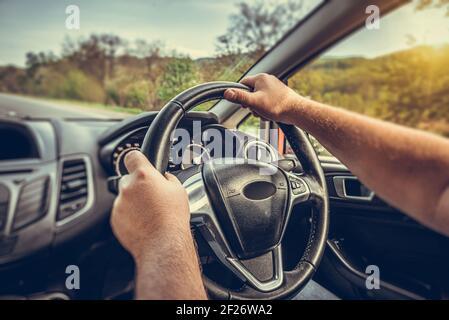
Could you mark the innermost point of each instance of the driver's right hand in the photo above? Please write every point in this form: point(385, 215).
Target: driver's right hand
point(270, 99)
point(150, 206)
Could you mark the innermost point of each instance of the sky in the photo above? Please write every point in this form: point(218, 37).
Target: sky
point(189, 26)
point(427, 27)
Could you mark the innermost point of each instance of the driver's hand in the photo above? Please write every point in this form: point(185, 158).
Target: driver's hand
point(271, 99)
point(149, 207)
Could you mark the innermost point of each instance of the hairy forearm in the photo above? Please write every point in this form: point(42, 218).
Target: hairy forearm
point(406, 167)
point(169, 269)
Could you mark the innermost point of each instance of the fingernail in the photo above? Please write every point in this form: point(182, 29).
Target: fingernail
point(130, 154)
point(134, 152)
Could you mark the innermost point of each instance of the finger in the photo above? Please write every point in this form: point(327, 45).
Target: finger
point(239, 96)
point(135, 159)
point(172, 178)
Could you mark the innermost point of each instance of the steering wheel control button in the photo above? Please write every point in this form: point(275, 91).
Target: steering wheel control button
point(298, 186)
point(287, 164)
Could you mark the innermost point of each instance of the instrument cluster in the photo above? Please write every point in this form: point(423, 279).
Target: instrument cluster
point(190, 148)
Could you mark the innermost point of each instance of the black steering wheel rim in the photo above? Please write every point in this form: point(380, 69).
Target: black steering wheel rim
point(156, 147)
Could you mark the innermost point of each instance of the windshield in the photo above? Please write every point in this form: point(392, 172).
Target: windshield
point(117, 58)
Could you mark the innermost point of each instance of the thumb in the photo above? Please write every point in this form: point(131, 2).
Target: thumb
point(242, 97)
point(135, 160)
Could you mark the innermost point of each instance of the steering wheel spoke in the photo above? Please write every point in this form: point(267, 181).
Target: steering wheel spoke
point(317, 193)
point(203, 218)
point(264, 273)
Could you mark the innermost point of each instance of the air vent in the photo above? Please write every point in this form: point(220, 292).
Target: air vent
point(74, 188)
point(32, 204)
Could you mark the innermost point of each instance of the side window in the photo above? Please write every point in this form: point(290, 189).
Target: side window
point(398, 73)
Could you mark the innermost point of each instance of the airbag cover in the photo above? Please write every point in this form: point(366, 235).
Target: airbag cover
point(250, 201)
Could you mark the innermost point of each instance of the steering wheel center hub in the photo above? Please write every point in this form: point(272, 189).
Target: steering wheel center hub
point(251, 204)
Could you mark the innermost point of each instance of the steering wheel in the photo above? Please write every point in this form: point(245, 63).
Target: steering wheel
point(242, 213)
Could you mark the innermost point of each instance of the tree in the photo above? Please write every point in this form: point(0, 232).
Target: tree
point(36, 60)
point(95, 55)
point(180, 74)
point(87, 55)
point(258, 26)
point(111, 44)
point(151, 52)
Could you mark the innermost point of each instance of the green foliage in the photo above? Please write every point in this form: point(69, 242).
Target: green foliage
point(137, 95)
point(91, 69)
point(77, 86)
point(205, 106)
point(250, 125)
point(112, 95)
point(409, 87)
point(69, 84)
point(259, 25)
point(179, 74)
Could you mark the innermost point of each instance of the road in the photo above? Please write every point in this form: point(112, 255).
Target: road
point(13, 105)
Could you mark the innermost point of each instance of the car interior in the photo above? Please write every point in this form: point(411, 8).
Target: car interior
point(58, 182)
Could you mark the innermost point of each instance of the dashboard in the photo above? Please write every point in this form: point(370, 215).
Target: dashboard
point(20, 144)
point(53, 172)
point(55, 204)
